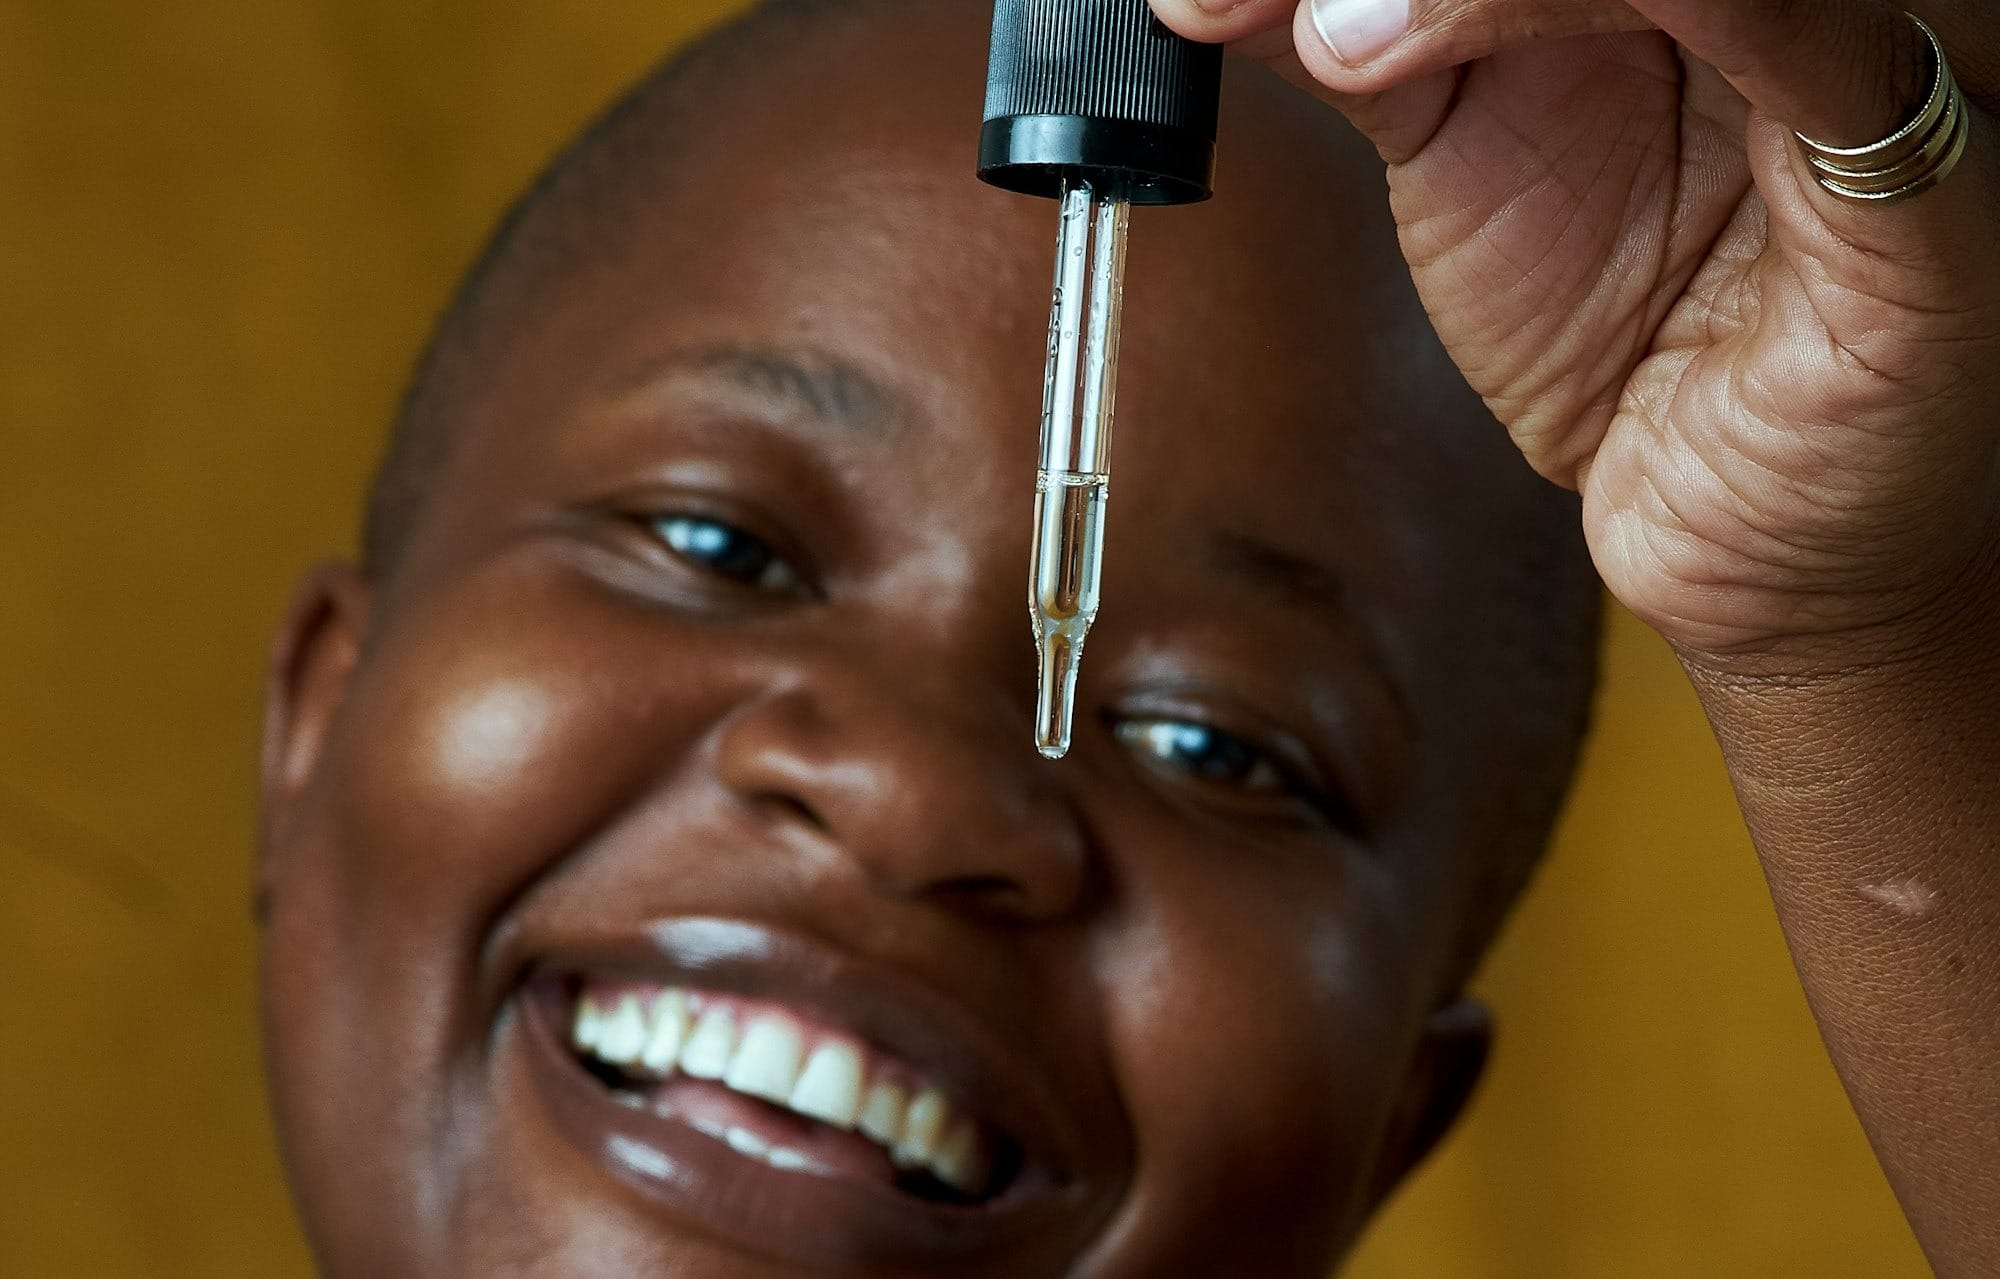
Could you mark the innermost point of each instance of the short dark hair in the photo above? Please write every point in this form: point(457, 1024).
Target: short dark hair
point(1547, 643)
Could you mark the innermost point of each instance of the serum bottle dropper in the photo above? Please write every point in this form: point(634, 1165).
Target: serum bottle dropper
point(1095, 104)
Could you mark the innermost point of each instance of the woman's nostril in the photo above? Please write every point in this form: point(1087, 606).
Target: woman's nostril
point(991, 897)
point(781, 808)
point(989, 890)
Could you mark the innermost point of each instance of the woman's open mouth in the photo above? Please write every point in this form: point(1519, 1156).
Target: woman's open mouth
point(799, 1104)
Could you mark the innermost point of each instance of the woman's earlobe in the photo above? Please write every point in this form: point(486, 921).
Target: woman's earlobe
point(1450, 1061)
point(312, 659)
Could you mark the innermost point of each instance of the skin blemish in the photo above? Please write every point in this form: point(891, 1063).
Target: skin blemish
point(1906, 897)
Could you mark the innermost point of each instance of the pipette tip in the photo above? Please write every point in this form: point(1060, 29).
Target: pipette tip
point(1056, 699)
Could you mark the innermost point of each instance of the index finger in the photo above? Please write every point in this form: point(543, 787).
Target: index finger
point(1224, 21)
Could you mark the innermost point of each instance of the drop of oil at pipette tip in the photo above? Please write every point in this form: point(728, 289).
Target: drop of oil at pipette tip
point(1056, 695)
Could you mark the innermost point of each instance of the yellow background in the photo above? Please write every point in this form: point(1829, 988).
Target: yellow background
point(224, 226)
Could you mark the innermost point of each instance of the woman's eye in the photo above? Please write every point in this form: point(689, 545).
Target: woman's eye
point(1206, 753)
point(725, 550)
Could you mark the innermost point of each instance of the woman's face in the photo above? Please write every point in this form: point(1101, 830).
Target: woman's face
point(661, 874)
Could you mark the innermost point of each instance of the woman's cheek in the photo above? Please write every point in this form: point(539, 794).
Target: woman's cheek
point(478, 760)
point(1239, 1043)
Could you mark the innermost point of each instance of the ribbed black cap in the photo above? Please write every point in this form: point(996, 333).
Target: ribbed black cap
point(1099, 89)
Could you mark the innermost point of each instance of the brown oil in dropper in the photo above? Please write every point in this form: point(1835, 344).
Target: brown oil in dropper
point(1079, 390)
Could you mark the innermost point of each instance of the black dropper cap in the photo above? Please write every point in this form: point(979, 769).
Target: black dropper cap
point(1099, 90)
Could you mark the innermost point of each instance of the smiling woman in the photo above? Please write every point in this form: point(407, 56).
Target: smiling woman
point(659, 941)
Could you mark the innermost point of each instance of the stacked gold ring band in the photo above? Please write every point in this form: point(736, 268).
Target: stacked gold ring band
point(1909, 161)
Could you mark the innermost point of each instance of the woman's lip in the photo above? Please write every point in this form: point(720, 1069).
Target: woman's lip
point(904, 1017)
point(799, 1217)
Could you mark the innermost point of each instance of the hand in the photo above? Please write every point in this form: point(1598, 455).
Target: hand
point(1782, 408)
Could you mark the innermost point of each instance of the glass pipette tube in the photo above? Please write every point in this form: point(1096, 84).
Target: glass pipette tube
point(1078, 393)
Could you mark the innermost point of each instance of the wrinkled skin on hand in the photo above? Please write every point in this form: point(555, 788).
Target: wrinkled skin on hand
point(1782, 409)
point(1777, 405)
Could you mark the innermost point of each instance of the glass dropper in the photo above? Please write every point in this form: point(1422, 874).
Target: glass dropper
point(1079, 392)
point(1096, 104)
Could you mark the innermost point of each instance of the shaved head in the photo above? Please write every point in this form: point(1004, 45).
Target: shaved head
point(567, 222)
point(687, 669)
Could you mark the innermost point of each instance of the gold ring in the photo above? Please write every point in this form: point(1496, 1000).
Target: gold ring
point(1909, 161)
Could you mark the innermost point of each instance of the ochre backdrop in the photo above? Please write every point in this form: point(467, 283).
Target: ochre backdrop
point(224, 227)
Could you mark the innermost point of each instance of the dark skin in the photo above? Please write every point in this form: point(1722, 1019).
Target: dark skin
point(561, 721)
point(1782, 410)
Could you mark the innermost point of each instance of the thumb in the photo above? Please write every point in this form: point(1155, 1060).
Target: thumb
point(1369, 46)
point(1376, 60)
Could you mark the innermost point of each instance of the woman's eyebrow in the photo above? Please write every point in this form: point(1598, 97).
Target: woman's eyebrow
point(784, 383)
point(1304, 586)
point(1292, 578)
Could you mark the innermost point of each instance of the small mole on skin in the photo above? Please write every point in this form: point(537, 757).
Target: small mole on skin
point(1906, 897)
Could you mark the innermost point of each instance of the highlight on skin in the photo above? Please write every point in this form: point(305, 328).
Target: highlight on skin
point(769, 944)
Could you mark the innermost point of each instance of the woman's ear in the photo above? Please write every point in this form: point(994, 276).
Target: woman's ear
point(1450, 1061)
point(312, 659)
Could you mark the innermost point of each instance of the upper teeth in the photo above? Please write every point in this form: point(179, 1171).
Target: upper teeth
point(766, 1057)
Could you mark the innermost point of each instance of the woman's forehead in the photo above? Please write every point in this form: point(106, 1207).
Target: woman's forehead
point(1278, 374)
point(1250, 320)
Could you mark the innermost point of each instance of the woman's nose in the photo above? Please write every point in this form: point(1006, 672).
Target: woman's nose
point(923, 799)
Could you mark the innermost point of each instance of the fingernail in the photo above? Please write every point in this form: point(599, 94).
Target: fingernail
point(1357, 30)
